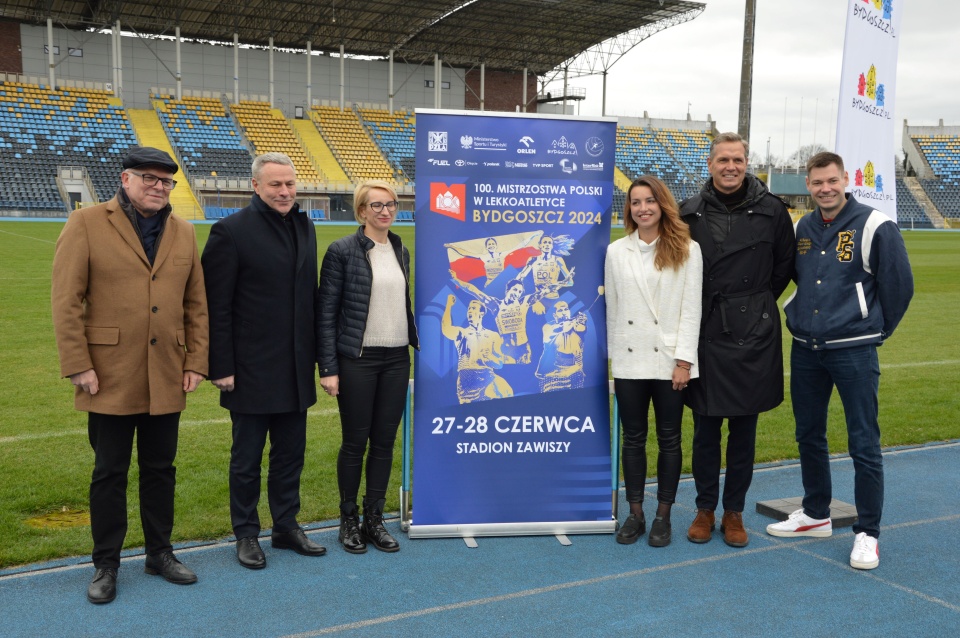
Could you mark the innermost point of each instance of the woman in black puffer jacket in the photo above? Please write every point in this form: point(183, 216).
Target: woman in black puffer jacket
point(365, 329)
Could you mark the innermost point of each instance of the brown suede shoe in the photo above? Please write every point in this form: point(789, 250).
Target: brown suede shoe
point(702, 527)
point(732, 527)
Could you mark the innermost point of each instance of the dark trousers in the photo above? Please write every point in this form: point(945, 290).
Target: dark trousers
point(633, 398)
point(373, 389)
point(741, 448)
point(111, 437)
point(288, 442)
point(856, 374)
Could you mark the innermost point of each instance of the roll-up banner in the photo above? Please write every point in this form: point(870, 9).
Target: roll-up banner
point(865, 127)
point(511, 399)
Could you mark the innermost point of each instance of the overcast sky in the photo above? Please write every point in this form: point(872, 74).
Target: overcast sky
point(797, 54)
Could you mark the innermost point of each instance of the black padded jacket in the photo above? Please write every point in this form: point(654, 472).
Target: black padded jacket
point(345, 281)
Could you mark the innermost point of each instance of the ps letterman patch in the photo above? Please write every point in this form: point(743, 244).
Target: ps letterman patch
point(845, 245)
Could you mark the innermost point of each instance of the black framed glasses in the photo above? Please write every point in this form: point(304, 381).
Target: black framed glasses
point(151, 180)
point(378, 206)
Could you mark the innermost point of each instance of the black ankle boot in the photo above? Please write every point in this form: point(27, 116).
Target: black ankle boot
point(372, 529)
point(350, 536)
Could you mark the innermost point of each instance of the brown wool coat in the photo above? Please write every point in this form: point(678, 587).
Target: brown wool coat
point(139, 327)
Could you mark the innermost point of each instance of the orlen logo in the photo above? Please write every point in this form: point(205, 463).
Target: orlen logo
point(868, 178)
point(448, 200)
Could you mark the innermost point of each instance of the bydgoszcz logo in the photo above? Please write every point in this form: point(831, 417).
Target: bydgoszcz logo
point(868, 178)
point(437, 141)
point(448, 200)
point(563, 146)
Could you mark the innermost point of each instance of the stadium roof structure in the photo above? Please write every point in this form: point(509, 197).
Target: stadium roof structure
point(539, 35)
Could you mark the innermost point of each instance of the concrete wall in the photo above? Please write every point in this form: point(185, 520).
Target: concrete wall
point(205, 67)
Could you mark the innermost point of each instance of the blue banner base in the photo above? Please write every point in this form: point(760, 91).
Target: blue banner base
point(511, 529)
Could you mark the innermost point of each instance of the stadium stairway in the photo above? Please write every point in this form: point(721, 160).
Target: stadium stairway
point(319, 151)
point(920, 195)
point(149, 132)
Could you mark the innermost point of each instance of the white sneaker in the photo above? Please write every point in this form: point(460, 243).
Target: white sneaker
point(866, 552)
point(799, 524)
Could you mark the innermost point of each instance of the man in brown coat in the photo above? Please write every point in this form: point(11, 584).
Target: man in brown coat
point(130, 316)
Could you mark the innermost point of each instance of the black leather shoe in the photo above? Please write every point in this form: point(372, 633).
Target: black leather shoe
point(372, 529)
point(632, 529)
point(103, 587)
point(297, 541)
point(249, 553)
point(349, 535)
point(660, 533)
point(172, 570)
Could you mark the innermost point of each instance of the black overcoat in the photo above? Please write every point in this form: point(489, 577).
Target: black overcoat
point(740, 350)
point(263, 298)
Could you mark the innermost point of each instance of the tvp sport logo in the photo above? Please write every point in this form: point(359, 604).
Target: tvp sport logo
point(448, 200)
point(868, 178)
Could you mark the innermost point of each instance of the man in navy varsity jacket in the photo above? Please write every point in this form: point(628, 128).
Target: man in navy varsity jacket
point(853, 287)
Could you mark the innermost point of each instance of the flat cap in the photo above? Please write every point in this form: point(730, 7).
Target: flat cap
point(139, 156)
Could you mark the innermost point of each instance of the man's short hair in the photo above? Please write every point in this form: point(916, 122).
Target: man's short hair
point(823, 160)
point(725, 138)
point(270, 158)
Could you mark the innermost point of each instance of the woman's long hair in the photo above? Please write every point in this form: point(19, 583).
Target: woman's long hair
point(673, 248)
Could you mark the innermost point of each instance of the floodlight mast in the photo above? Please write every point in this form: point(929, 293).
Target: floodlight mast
point(746, 70)
point(598, 59)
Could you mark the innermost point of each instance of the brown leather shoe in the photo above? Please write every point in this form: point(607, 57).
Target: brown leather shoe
point(732, 527)
point(702, 527)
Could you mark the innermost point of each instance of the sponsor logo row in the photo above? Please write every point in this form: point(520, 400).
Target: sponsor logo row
point(439, 142)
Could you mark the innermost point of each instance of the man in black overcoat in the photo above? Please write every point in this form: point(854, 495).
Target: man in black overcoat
point(747, 241)
point(262, 265)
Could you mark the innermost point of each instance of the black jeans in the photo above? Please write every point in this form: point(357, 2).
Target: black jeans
point(633, 399)
point(741, 448)
point(373, 389)
point(111, 437)
point(288, 442)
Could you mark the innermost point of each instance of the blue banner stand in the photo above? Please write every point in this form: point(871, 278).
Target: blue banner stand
point(468, 532)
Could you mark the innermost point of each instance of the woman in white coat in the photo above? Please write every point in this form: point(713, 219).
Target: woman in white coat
point(653, 278)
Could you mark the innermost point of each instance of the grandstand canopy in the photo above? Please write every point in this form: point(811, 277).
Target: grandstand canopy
point(503, 34)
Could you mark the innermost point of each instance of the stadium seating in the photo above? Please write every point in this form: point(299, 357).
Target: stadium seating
point(395, 135)
point(942, 152)
point(269, 132)
point(944, 194)
point(41, 130)
point(204, 136)
point(357, 154)
point(642, 151)
point(909, 211)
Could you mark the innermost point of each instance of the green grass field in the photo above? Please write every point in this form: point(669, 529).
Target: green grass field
point(45, 459)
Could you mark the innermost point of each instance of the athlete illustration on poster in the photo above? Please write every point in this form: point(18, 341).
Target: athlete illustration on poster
point(510, 314)
point(479, 353)
point(550, 272)
point(561, 363)
point(490, 256)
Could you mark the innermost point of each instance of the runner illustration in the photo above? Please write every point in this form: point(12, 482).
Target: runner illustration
point(561, 364)
point(510, 314)
point(480, 352)
point(550, 272)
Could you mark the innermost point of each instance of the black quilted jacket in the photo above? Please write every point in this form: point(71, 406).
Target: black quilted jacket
point(345, 281)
